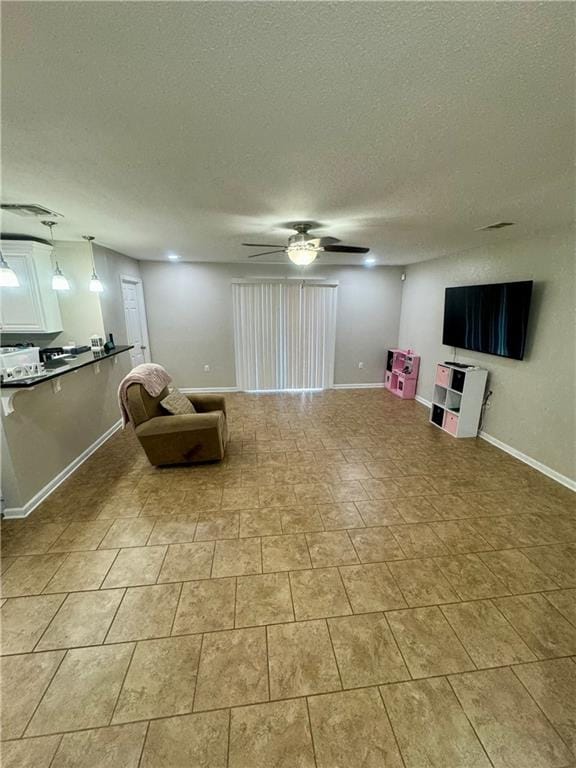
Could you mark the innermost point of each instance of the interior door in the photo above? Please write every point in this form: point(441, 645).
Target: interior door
point(136, 327)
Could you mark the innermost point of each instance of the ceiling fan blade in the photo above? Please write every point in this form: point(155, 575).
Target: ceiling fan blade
point(266, 253)
point(345, 249)
point(263, 245)
point(329, 240)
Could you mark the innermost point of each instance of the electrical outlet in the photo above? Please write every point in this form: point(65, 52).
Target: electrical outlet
point(360, 365)
point(206, 368)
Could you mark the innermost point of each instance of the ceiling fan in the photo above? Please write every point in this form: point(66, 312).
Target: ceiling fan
point(303, 248)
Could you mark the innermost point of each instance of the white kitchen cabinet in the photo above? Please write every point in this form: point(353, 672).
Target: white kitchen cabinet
point(33, 306)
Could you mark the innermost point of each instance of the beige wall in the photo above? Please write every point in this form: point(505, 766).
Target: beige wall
point(533, 405)
point(110, 265)
point(189, 309)
point(48, 430)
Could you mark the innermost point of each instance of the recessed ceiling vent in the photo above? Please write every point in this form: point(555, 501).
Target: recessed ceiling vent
point(497, 225)
point(28, 210)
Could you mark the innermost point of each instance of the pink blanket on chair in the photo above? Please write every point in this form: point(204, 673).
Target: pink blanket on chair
point(151, 376)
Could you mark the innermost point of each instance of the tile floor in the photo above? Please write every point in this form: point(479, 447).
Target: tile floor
point(350, 587)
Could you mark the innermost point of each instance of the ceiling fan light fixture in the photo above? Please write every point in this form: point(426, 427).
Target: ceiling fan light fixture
point(302, 254)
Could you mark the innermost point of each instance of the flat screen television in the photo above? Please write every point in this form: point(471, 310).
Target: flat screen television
point(488, 318)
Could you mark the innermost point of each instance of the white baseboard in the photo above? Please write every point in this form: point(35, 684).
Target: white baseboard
point(534, 463)
point(14, 512)
point(376, 385)
point(207, 390)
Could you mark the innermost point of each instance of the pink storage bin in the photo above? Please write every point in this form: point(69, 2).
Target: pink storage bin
point(442, 375)
point(450, 422)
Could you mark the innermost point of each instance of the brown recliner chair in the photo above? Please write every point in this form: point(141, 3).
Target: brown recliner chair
point(183, 439)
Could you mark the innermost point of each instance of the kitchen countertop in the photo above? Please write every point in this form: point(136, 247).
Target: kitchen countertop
point(57, 368)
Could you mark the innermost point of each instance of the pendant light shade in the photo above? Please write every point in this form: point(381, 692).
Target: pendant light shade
point(8, 278)
point(59, 281)
point(95, 282)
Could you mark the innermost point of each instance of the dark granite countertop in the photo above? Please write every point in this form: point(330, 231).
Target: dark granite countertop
point(57, 368)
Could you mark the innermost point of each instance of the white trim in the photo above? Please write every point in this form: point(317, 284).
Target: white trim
point(545, 470)
point(191, 390)
point(43, 493)
point(523, 457)
point(376, 385)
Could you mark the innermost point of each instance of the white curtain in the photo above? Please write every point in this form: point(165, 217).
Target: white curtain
point(284, 335)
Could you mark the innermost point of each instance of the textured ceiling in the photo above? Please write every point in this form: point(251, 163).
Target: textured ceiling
point(188, 127)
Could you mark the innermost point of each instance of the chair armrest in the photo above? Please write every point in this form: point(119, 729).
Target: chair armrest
point(187, 422)
point(205, 403)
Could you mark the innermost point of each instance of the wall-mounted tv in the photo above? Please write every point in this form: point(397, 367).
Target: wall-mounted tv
point(488, 318)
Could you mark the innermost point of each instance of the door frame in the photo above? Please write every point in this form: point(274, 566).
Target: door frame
point(141, 311)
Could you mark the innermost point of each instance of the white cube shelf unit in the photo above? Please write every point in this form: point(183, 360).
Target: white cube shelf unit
point(457, 400)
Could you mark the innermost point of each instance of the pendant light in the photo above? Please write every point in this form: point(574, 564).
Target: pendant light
point(8, 278)
point(59, 281)
point(95, 282)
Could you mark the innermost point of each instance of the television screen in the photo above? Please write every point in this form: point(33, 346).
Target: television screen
point(488, 318)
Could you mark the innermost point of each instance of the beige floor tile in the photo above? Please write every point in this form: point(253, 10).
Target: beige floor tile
point(338, 516)
point(29, 753)
point(460, 536)
point(276, 496)
point(112, 510)
point(263, 599)
point(556, 561)
point(81, 571)
point(312, 493)
point(487, 636)
point(119, 745)
point(6, 562)
point(79, 536)
point(512, 729)
point(318, 593)
point(453, 506)
point(83, 619)
point(84, 690)
point(553, 685)
point(24, 619)
point(331, 548)
point(285, 553)
point(417, 509)
point(232, 669)
point(217, 525)
point(161, 679)
point(188, 742)
point(381, 512)
point(422, 582)
point(352, 729)
point(428, 643)
point(371, 588)
point(540, 625)
point(237, 557)
point(351, 490)
point(240, 498)
point(184, 562)
point(418, 540)
point(23, 681)
point(19, 538)
point(301, 519)
point(564, 600)
point(517, 571)
point(260, 522)
point(29, 575)
point(135, 566)
point(174, 530)
point(128, 533)
point(203, 500)
point(366, 651)
point(275, 734)
point(358, 471)
point(145, 613)
point(471, 579)
point(431, 727)
point(301, 660)
point(205, 606)
point(375, 545)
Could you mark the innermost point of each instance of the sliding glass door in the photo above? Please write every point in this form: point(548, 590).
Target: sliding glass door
point(284, 335)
